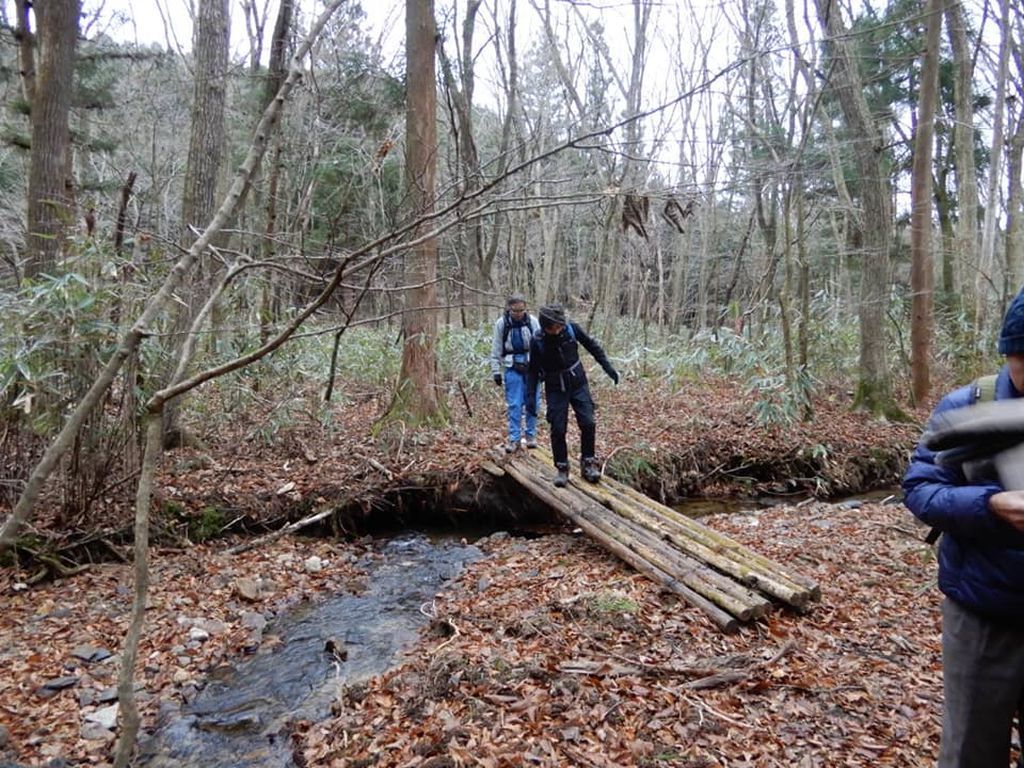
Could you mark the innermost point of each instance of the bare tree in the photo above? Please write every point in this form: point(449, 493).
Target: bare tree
point(922, 274)
point(966, 238)
point(988, 230)
point(460, 94)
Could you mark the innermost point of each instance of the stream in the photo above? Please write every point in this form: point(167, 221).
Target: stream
point(241, 719)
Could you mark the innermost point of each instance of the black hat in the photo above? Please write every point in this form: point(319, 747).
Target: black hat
point(1011, 339)
point(551, 314)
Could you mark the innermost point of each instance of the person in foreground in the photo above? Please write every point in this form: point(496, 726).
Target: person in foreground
point(981, 573)
point(554, 357)
point(510, 355)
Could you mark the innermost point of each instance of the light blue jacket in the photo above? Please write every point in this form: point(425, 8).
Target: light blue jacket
point(515, 348)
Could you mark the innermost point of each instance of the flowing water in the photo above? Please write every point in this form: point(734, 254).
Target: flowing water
point(241, 719)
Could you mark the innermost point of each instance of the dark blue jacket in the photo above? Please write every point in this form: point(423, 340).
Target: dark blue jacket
point(981, 558)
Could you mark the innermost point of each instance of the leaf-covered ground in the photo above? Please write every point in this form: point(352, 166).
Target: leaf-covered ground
point(552, 653)
point(549, 652)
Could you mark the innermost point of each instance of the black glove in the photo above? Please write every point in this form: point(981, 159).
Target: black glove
point(613, 375)
point(531, 407)
point(497, 379)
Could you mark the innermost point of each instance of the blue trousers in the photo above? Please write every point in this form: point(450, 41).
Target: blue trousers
point(515, 399)
point(982, 681)
point(582, 404)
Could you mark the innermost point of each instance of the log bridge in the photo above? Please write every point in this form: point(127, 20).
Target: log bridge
point(727, 581)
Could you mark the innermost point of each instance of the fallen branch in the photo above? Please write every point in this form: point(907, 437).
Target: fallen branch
point(298, 525)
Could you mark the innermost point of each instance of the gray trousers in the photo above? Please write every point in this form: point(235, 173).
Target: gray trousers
point(983, 679)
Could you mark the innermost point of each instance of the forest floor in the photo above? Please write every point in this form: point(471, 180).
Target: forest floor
point(549, 651)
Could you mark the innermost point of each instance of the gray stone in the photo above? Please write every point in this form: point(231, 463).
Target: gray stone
point(96, 732)
point(52, 687)
point(212, 626)
point(106, 717)
point(253, 620)
point(107, 695)
point(89, 653)
point(248, 589)
point(198, 634)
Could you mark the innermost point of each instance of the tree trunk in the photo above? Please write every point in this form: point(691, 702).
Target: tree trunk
point(211, 43)
point(965, 256)
point(922, 271)
point(1015, 212)
point(418, 397)
point(49, 184)
point(988, 232)
point(874, 387)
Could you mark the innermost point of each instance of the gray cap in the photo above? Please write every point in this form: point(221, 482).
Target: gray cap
point(552, 314)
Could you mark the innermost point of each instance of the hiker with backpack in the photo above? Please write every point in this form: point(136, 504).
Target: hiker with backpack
point(981, 571)
point(554, 357)
point(510, 356)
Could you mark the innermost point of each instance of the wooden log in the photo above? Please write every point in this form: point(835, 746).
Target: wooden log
point(725, 593)
point(559, 501)
point(747, 565)
point(736, 572)
point(766, 581)
point(720, 589)
point(741, 602)
point(720, 543)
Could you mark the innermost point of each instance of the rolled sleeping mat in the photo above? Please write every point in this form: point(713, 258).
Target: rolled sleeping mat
point(999, 423)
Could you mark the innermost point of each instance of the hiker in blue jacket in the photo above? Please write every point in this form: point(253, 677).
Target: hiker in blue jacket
point(554, 357)
point(510, 356)
point(981, 573)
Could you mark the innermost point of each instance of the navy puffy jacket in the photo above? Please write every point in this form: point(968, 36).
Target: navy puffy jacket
point(981, 558)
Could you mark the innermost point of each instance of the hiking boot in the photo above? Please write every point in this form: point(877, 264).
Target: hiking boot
point(562, 476)
point(531, 442)
point(591, 470)
point(512, 447)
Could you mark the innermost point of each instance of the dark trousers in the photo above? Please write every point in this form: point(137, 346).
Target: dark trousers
point(982, 677)
point(558, 418)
